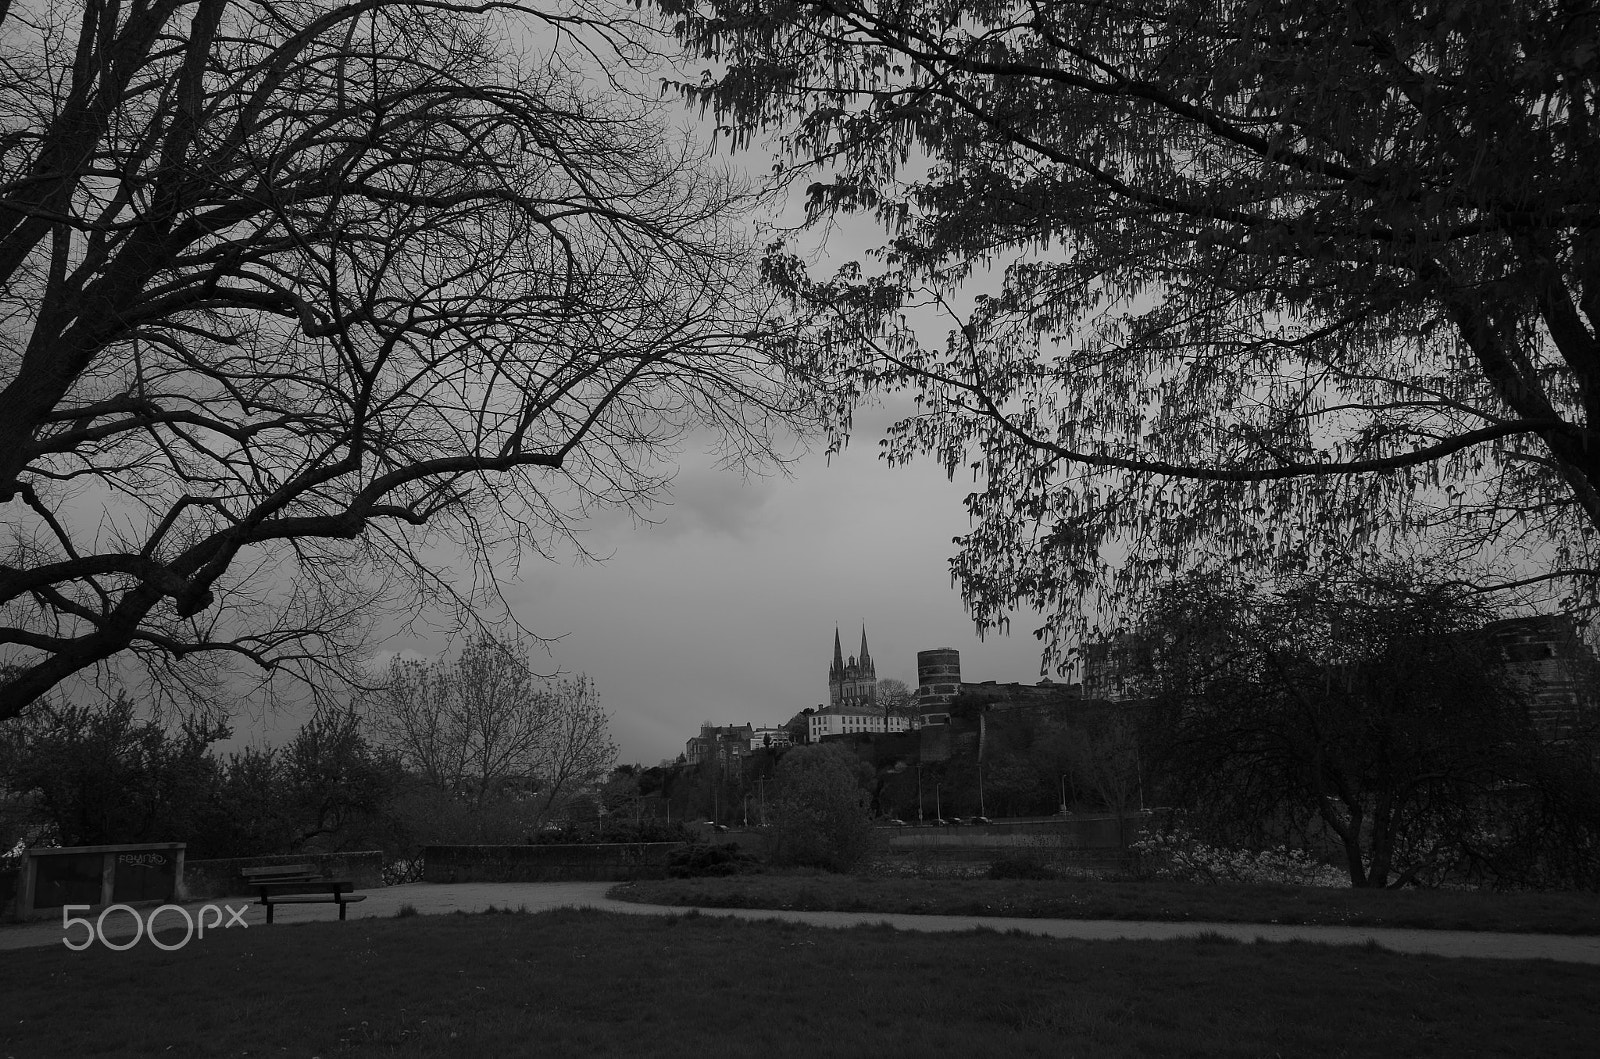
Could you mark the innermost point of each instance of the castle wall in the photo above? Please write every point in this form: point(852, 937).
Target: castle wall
point(1556, 670)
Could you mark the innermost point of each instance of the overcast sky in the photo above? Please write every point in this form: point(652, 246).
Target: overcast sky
point(724, 611)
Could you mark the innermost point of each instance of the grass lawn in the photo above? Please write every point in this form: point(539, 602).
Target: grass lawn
point(1537, 913)
point(585, 983)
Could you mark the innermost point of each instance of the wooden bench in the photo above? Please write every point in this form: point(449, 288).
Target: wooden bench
point(284, 884)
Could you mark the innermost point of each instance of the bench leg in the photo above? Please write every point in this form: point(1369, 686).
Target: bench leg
point(269, 912)
point(341, 905)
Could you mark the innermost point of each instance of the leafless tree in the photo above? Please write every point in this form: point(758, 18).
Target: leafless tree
point(485, 726)
point(897, 698)
point(297, 293)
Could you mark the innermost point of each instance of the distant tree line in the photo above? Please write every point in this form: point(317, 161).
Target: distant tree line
point(89, 775)
point(502, 756)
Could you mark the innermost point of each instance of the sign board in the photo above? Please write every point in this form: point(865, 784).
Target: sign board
point(68, 879)
point(98, 876)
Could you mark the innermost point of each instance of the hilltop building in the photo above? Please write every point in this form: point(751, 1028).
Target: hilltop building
point(852, 684)
point(726, 744)
point(764, 738)
point(851, 720)
point(852, 698)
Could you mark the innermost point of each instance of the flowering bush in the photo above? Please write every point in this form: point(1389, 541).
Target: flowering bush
point(1178, 854)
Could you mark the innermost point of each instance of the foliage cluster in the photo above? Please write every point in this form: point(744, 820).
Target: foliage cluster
point(821, 809)
point(87, 775)
point(1369, 713)
point(1189, 284)
point(478, 751)
point(706, 860)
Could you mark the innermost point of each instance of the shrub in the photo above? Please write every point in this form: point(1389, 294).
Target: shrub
point(1020, 866)
point(699, 860)
point(821, 816)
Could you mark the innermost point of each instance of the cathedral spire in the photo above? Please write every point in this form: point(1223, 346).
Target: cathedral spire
point(865, 660)
point(838, 657)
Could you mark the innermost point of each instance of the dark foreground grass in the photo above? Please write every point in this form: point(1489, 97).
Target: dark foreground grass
point(584, 983)
point(1536, 913)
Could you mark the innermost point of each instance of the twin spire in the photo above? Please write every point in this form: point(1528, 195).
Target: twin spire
point(852, 682)
point(863, 660)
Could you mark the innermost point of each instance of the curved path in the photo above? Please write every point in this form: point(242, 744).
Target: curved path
point(442, 898)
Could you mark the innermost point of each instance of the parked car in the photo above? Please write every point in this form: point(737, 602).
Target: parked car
point(895, 821)
point(980, 820)
point(956, 821)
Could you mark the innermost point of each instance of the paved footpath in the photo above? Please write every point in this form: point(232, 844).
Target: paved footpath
point(442, 898)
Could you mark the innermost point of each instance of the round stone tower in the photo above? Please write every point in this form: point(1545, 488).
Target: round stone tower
point(938, 681)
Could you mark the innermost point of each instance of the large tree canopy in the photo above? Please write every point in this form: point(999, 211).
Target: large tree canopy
point(1244, 281)
point(1377, 712)
point(291, 290)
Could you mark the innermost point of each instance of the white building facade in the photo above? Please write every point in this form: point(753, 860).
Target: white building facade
point(850, 720)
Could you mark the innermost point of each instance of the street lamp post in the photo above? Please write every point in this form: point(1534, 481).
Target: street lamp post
point(1063, 795)
point(938, 811)
point(1138, 772)
point(983, 810)
point(919, 792)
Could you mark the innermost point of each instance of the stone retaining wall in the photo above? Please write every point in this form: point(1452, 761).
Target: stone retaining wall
point(606, 861)
point(1086, 833)
point(1095, 861)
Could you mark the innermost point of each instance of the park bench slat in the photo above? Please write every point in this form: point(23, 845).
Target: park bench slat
point(305, 886)
point(278, 869)
point(287, 880)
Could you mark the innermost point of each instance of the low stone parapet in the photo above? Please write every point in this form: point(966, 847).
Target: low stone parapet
point(1097, 833)
point(602, 861)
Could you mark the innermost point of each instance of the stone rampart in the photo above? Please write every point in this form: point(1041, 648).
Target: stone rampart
point(1096, 832)
point(604, 861)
